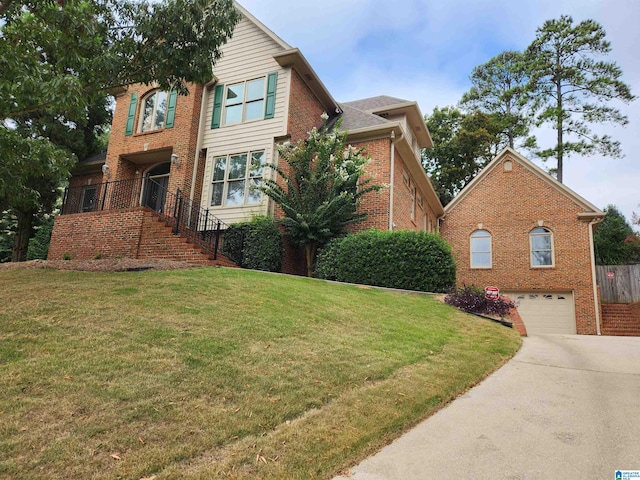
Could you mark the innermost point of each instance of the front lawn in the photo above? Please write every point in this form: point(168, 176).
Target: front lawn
point(220, 373)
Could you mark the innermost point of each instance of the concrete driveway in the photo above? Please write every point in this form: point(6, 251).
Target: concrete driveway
point(566, 406)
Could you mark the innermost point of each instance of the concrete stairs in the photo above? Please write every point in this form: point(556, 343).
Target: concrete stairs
point(157, 240)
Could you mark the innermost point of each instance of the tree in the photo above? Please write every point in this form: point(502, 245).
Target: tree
point(319, 187)
point(463, 145)
point(498, 87)
point(58, 61)
point(614, 240)
point(571, 87)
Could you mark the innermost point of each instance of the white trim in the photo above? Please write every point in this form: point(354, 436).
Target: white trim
point(553, 250)
point(593, 274)
point(471, 251)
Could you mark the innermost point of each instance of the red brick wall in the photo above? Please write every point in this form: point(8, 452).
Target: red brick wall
point(509, 205)
point(621, 319)
point(85, 235)
point(304, 109)
point(181, 139)
point(376, 204)
point(85, 179)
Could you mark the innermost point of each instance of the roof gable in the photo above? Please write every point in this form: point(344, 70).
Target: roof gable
point(590, 211)
point(245, 13)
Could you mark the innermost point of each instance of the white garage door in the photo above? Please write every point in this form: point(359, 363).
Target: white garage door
point(546, 312)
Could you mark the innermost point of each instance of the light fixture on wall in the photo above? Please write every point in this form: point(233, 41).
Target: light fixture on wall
point(105, 170)
point(174, 160)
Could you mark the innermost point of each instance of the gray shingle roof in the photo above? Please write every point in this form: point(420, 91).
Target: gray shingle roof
point(375, 103)
point(354, 118)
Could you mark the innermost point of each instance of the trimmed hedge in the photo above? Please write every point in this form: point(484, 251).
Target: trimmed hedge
point(327, 260)
point(401, 259)
point(256, 244)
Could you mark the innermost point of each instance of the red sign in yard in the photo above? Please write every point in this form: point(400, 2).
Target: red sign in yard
point(492, 293)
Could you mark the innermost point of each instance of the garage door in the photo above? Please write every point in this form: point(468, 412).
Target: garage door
point(546, 312)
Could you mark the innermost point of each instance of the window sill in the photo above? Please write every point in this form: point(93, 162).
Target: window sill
point(231, 207)
point(142, 134)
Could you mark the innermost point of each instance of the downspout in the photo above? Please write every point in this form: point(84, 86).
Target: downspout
point(392, 180)
point(196, 160)
point(593, 273)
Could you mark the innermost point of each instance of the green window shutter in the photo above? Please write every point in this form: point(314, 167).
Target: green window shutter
point(270, 104)
point(131, 117)
point(171, 108)
point(217, 106)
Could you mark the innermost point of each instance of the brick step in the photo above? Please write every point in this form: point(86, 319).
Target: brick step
point(159, 241)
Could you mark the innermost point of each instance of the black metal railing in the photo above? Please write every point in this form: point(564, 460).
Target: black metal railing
point(103, 196)
point(175, 209)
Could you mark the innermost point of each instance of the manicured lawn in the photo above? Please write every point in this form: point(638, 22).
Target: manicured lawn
point(220, 373)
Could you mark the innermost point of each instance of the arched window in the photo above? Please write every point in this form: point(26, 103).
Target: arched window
point(154, 111)
point(541, 243)
point(481, 249)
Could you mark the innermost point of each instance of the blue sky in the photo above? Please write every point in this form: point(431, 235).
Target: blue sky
point(424, 50)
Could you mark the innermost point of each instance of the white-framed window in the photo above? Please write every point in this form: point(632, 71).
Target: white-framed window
point(244, 101)
point(235, 178)
point(154, 111)
point(481, 254)
point(541, 245)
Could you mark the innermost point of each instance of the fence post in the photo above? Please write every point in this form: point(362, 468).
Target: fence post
point(206, 222)
point(179, 205)
point(215, 250)
point(104, 195)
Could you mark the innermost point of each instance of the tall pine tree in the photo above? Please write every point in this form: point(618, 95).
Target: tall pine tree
point(572, 87)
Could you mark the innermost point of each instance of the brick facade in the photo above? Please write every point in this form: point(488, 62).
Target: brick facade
point(131, 233)
point(509, 204)
point(129, 156)
point(621, 319)
point(305, 109)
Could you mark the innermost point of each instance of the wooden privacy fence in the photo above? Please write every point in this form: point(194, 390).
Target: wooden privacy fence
point(619, 283)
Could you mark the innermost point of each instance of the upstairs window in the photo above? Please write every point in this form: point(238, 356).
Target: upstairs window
point(235, 178)
point(541, 243)
point(481, 249)
point(157, 111)
point(244, 101)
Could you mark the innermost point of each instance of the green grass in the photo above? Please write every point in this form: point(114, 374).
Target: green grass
point(220, 373)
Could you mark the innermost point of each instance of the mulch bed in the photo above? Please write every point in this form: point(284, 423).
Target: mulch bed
point(102, 265)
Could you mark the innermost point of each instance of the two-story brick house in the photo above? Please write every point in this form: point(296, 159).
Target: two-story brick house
point(180, 168)
point(207, 149)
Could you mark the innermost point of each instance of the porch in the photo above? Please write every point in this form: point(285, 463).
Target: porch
point(116, 219)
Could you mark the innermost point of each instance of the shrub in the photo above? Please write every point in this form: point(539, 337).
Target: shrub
point(472, 299)
point(327, 260)
point(39, 244)
point(401, 259)
point(256, 244)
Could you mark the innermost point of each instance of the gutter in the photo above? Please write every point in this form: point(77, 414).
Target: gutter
point(203, 108)
point(593, 273)
point(392, 180)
